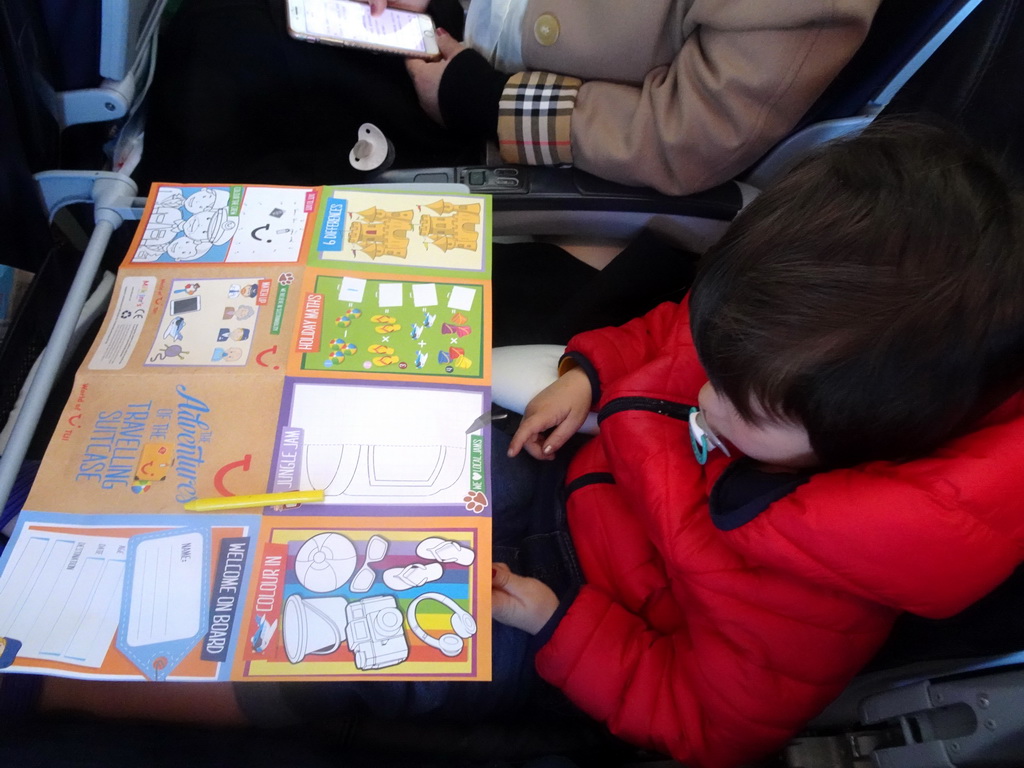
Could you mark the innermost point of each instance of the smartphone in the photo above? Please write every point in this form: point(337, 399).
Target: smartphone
point(349, 23)
point(181, 306)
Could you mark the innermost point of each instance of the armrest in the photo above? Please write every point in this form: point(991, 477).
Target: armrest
point(540, 200)
point(125, 54)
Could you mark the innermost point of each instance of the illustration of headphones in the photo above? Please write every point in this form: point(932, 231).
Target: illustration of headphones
point(463, 625)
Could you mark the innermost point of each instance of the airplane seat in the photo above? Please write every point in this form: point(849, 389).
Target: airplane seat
point(903, 36)
point(972, 82)
point(940, 694)
point(898, 33)
point(103, 56)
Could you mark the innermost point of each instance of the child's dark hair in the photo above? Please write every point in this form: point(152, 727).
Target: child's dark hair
point(874, 295)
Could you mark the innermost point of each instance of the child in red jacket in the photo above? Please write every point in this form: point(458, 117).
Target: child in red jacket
point(856, 343)
point(826, 434)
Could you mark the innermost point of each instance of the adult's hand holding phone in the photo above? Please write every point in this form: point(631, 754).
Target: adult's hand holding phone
point(426, 75)
point(418, 6)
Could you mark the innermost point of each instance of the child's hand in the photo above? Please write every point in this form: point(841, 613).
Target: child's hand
point(562, 407)
point(520, 601)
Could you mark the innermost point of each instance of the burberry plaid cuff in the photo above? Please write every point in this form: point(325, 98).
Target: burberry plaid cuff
point(534, 118)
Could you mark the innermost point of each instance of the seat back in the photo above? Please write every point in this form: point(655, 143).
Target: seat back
point(903, 34)
point(903, 37)
point(974, 82)
point(102, 51)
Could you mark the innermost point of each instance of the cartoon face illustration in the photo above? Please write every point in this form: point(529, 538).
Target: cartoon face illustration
point(244, 312)
point(229, 355)
point(238, 334)
point(250, 290)
point(154, 463)
point(206, 199)
point(184, 249)
point(214, 227)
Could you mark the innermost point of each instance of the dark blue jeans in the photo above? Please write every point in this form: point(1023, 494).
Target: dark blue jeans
point(530, 536)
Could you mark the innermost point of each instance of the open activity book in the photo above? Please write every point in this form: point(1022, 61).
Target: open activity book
point(265, 340)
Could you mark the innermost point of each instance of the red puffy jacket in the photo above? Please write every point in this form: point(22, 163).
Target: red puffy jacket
point(715, 642)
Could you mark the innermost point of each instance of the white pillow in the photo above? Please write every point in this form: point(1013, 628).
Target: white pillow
point(518, 373)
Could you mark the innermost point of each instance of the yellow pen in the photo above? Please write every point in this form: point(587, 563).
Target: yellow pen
point(217, 503)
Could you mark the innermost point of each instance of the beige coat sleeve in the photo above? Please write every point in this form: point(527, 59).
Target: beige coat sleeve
point(743, 76)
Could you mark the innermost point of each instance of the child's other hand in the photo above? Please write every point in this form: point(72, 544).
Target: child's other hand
point(418, 6)
point(520, 601)
point(561, 407)
point(426, 75)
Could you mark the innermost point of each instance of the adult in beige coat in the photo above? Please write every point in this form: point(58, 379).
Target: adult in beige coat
point(679, 95)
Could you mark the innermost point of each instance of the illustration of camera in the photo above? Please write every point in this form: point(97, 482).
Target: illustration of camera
point(374, 632)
